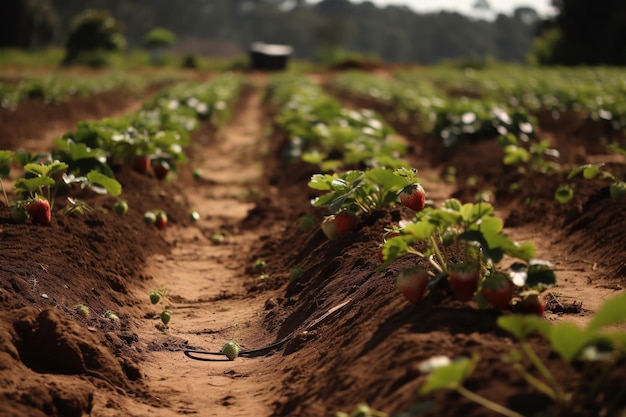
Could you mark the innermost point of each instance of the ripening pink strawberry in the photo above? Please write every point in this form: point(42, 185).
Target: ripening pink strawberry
point(413, 197)
point(161, 220)
point(412, 283)
point(142, 164)
point(338, 225)
point(39, 211)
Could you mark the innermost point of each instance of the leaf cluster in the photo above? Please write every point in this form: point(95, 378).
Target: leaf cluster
point(360, 191)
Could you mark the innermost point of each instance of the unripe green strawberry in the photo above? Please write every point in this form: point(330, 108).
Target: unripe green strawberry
point(166, 315)
point(120, 207)
point(82, 309)
point(231, 350)
point(111, 316)
point(19, 214)
point(155, 296)
point(618, 190)
point(149, 217)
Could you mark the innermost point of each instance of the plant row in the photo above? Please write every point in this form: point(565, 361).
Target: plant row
point(151, 141)
point(56, 89)
point(595, 92)
point(450, 119)
point(506, 112)
point(321, 131)
point(462, 245)
point(588, 354)
point(459, 248)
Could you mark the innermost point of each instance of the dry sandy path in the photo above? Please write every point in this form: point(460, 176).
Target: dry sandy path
point(205, 289)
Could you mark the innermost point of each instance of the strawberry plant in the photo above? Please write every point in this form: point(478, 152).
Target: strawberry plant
point(40, 180)
point(529, 156)
point(156, 296)
point(362, 191)
point(617, 187)
point(598, 347)
point(474, 231)
point(324, 133)
point(36, 190)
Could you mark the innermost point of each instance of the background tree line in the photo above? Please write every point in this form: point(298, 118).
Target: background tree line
point(583, 32)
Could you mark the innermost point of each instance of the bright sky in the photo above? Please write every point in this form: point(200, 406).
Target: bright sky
point(543, 7)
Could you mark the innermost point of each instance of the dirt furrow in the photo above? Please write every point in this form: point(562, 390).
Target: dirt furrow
point(205, 287)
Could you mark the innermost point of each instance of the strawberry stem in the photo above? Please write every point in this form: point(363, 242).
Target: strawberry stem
point(487, 403)
point(545, 373)
point(540, 385)
point(4, 193)
point(440, 258)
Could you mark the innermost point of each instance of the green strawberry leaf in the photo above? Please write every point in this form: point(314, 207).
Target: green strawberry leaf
point(521, 326)
point(568, 340)
point(111, 185)
point(450, 376)
point(32, 185)
point(540, 276)
point(611, 312)
point(421, 230)
point(5, 163)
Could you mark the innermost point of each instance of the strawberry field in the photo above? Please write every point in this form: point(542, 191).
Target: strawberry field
point(414, 242)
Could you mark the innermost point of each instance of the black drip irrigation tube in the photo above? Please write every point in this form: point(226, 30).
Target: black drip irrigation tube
point(205, 355)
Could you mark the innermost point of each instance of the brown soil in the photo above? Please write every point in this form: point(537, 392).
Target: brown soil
point(54, 362)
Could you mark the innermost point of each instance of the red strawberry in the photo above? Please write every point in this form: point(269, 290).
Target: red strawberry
point(497, 290)
point(463, 280)
point(39, 210)
point(338, 225)
point(161, 169)
point(161, 220)
point(142, 164)
point(532, 304)
point(413, 197)
point(412, 282)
